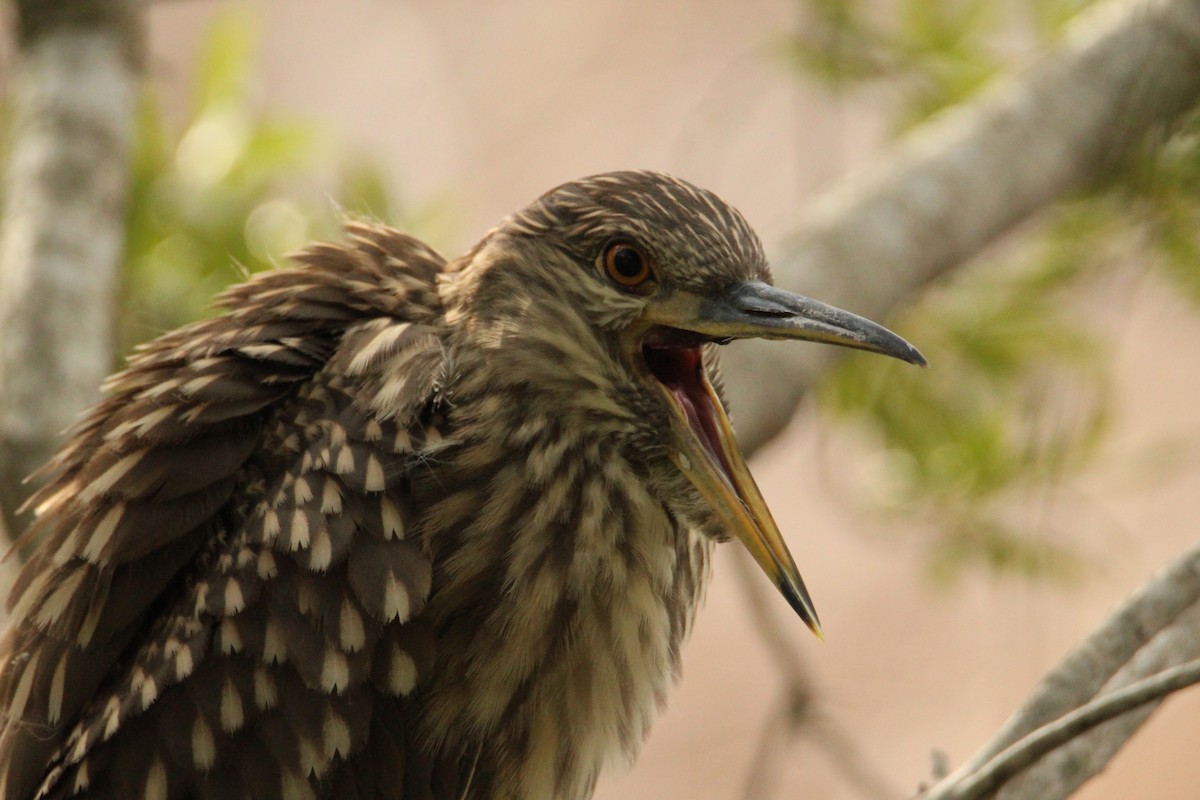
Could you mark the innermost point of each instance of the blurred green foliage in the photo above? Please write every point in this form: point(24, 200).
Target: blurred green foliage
point(224, 196)
point(932, 53)
point(1018, 399)
point(1019, 396)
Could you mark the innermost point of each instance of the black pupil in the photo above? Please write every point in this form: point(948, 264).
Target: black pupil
point(628, 262)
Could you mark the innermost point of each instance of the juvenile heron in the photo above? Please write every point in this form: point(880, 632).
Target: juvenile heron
point(397, 527)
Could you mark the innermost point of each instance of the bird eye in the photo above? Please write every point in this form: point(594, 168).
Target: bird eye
point(625, 265)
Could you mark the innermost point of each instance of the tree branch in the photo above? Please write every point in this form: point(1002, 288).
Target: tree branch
point(63, 231)
point(992, 775)
point(799, 711)
point(1154, 629)
point(1128, 67)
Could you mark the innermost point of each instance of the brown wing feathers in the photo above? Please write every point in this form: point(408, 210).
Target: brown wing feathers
point(222, 569)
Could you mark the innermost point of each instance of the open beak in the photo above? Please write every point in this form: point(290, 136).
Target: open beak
point(706, 451)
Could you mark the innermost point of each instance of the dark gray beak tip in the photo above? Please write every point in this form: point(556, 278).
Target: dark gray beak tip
point(914, 357)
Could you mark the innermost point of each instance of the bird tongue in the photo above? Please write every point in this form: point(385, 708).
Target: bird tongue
point(681, 371)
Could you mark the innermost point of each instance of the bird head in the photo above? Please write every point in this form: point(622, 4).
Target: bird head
point(629, 280)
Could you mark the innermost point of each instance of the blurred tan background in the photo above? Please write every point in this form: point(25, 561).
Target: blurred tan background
point(476, 108)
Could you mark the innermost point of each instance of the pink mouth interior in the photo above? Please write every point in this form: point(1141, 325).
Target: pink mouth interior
point(681, 370)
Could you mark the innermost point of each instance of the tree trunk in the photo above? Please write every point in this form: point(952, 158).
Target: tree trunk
point(62, 237)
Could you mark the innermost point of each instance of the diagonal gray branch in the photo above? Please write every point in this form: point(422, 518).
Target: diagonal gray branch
point(1153, 630)
point(1128, 68)
point(1068, 728)
point(63, 231)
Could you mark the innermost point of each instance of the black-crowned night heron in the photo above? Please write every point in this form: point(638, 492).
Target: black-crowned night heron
point(396, 527)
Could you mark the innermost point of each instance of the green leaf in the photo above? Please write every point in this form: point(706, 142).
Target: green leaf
point(223, 196)
point(225, 58)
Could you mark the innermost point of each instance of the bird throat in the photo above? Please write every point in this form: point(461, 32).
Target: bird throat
point(562, 594)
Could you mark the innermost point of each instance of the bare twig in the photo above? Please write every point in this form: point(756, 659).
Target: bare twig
point(774, 634)
point(773, 738)
point(1153, 630)
point(849, 759)
point(985, 781)
point(798, 713)
point(1150, 613)
point(1064, 770)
